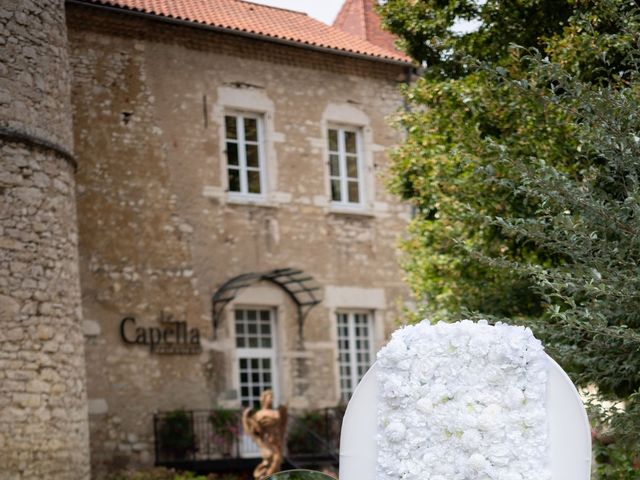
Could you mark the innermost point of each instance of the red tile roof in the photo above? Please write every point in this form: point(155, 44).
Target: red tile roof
point(360, 18)
point(272, 23)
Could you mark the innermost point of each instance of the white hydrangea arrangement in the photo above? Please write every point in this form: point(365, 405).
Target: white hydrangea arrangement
point(462, 401)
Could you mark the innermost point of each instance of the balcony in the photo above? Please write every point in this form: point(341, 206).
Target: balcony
point(212, 441)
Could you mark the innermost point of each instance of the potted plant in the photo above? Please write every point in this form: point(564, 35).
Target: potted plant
point(225, 429)
point(176, 435)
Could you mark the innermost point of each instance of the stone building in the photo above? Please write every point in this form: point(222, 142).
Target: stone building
point(234, 229)
point(43, 410)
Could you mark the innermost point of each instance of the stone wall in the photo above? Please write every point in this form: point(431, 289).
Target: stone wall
point(43, 411)
point(158, 231)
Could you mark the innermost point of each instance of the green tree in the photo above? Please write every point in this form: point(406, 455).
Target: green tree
point(456, 108)
point(426, 28)
point(523, 168)
point(588, 219)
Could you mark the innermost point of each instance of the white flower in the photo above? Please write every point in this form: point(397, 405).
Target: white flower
point(463, 400)
point(490, 418)
point(471, 439)
point(514, 398)
point(478, 462)
point(511, 476)
point(424, 405)
point(395, 431)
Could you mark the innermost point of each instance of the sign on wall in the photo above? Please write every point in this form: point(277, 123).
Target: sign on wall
point(170, 337)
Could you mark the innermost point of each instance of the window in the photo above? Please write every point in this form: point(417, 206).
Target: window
point(354, 350)
point(245, 163)
point(345, 165)
point(256, 354)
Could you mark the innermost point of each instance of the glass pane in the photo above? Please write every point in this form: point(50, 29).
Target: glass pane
point(254, 363)
point(266, 342)
point(232, 153)
point(335, 191)
point(334, 165)
point(238, 314)
point(253, 342)
point(231, 127)
point(253, 328)
point(234, 180)
point(251, 315)
point(264, 314)
point(265, 328)
point(252, 156)
point(239, 328)
point(333, 140)
point(350, 142)
point(243, 363)
point(240, 342)
point(354, 193)
point(352, 166)
point(254, 181)
point(251, 129)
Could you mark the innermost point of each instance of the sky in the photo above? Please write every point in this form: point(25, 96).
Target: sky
point(326, 11)
point(323, 10)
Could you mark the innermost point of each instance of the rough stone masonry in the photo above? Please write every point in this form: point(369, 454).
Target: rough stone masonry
point(43, 408)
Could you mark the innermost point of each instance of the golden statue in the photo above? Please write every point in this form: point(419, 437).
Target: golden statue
point(267, 427)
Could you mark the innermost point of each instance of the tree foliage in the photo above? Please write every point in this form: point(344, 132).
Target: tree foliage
point(427, 28)
point(523, 164)
point(588, 219)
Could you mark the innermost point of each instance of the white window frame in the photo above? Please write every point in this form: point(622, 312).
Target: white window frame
point(248, 449)
point(342, 165)
point(353, 364)
point(258, 352)
point(242, 166)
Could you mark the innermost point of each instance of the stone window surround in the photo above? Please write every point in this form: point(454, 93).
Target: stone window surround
point(257, 102)
point(348, 115)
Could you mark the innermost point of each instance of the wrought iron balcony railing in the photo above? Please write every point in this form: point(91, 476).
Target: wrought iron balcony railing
point(212, 439)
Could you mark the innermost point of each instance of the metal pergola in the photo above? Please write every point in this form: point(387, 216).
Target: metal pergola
point(299, 286)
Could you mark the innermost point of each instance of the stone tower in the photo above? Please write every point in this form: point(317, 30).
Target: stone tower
point(43, 412)
point(359, 18)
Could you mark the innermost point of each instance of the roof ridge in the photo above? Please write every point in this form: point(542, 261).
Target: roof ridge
point(274, 8)
point(274, 23)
